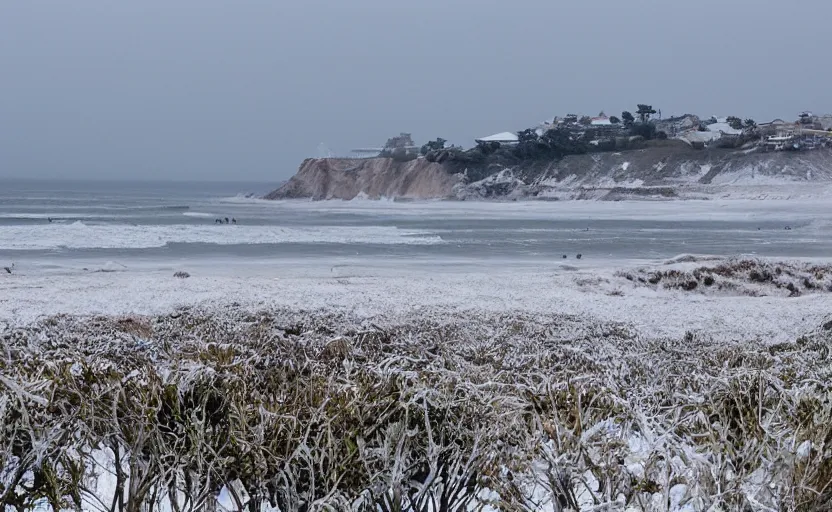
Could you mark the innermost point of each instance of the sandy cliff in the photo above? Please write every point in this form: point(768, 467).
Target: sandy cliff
point(372, 178)
point(671, 172)
point(662, 172)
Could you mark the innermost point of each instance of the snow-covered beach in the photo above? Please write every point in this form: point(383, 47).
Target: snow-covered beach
point(596, 294)
point(114, 252)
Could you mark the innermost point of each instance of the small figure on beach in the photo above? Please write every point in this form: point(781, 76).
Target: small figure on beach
point(564, 256)
point(233, 220)
point(49, 219)
point(218, 221)
point(579, 256)
point(9, 269)
point(226, 220)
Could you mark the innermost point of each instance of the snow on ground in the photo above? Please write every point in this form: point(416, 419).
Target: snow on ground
point(367, 291)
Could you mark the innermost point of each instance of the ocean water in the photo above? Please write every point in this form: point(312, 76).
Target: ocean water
point(151, 225)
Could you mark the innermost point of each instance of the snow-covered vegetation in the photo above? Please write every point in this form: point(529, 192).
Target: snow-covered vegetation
point(737, 276)
point(295, 411)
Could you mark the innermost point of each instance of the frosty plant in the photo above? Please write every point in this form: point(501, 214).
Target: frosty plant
point(295, 411)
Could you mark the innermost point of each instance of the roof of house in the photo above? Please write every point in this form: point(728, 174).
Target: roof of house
point(601, 120)
point(500, 137)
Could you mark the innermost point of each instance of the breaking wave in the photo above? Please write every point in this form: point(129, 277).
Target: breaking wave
point(200, 215)
point(79, 235)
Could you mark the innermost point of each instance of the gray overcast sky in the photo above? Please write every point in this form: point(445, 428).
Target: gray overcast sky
point(244, 90)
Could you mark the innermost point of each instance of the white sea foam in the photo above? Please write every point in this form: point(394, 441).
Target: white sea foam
point(55, 216)
point(79, 235)
point(201, 215)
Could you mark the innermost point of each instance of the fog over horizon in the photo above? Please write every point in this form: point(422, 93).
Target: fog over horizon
point(244, 91)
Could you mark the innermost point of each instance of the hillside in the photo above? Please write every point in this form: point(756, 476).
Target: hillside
point(663, 170)
point(331, 178)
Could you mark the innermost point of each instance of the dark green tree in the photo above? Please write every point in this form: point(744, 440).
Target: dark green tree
point(486, 148)
point(644, 112)
point(734, 122)
point(527, 135)
point(585, 121)
point(646, 130)
point(750, 124)
point(615, 120)
point(433, 145)
point(628, 118)
point(559, 143)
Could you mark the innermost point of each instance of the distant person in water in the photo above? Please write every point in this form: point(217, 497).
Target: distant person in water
point(49, 219)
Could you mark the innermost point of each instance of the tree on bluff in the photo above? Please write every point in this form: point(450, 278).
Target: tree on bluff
point(646, 130)
point(433, 145)
point(615, 120)
point(734, 122)
point(644, 112)
point(486, 148)
point(527, 135)
point(553, 144)
point(628, 118)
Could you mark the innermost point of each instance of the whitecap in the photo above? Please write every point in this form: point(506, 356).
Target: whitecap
point(121, 236)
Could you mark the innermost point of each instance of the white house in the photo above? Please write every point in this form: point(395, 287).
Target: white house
point(601, 121)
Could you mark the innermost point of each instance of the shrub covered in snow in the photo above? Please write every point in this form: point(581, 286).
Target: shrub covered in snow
point(297, 411)
point(740, 276)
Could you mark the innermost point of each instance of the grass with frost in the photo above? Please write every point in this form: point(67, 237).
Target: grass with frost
point(437, 411)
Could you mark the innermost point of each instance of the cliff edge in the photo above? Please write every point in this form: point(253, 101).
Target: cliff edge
point(669, 170)
point(374, 178)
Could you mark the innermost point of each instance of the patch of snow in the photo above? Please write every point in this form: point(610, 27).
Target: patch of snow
point(227, 494)
point(805, 449)
point(723, 127)
point(500, 137)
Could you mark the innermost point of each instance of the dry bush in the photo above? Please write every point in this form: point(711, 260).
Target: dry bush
point(436, 411)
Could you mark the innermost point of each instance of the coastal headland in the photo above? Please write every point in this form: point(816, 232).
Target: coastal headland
point(586, 158)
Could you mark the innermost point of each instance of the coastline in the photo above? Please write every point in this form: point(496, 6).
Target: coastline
point(660, 173)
